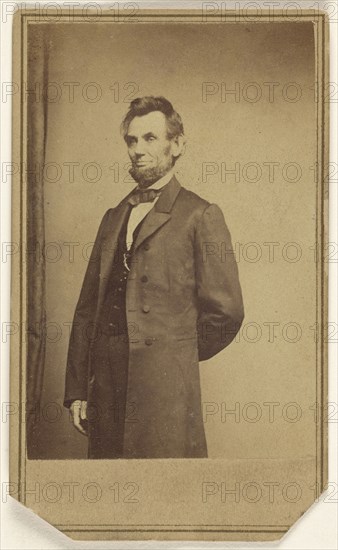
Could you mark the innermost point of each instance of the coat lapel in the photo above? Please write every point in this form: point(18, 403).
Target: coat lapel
point(157, 217)
point(160, 214)
point(110, 242)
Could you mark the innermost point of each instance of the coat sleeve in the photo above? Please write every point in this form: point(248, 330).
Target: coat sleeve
point(83, 326)
point(219, 296)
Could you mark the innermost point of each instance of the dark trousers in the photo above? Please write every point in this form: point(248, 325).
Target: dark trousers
point(107, 403)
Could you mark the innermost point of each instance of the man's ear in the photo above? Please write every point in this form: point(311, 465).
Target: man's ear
point(178, 146)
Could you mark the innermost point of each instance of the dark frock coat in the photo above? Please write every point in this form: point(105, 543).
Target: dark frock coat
point(183, 305)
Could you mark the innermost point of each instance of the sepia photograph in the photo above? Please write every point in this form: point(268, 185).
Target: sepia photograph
point(169, 316)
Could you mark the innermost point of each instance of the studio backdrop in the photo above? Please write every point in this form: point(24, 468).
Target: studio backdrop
point(246, 95)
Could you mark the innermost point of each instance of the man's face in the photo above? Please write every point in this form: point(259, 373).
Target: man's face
point(149, 149)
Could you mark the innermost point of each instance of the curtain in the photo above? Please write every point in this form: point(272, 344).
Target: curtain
point(36, 101)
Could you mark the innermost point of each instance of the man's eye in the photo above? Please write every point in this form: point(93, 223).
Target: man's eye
point(151, 138)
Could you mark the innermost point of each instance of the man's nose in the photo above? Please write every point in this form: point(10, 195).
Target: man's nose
point(139, 149)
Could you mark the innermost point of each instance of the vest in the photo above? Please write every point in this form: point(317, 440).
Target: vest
point(113, 317)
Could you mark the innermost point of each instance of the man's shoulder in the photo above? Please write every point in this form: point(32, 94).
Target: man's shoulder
point(106, 216)
point(191, 200)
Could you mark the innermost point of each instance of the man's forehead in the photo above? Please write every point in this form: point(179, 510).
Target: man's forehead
point(151, 122)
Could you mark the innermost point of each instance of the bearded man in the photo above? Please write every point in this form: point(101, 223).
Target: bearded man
point(161, 293)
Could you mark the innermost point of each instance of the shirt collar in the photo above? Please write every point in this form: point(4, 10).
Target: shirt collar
point(162, 181)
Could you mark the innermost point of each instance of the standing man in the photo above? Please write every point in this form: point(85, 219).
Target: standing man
point(161, 293)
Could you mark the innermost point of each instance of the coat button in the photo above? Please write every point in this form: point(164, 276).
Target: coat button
point(146, 308)
point(144, 279)
point(148, 341)
point(146, 246)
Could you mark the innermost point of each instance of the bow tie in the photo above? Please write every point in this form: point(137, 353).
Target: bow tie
point(144, 195)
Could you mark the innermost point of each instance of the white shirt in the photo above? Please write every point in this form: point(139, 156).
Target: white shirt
point(140, 211)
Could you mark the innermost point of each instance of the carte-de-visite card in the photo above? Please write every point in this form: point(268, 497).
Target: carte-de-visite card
point(169, 258)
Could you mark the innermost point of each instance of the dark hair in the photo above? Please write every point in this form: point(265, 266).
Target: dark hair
point(143, 105)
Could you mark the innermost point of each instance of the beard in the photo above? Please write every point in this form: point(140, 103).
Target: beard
point(147, 176)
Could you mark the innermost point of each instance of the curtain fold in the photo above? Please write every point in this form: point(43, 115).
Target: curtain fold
point(35, 91)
